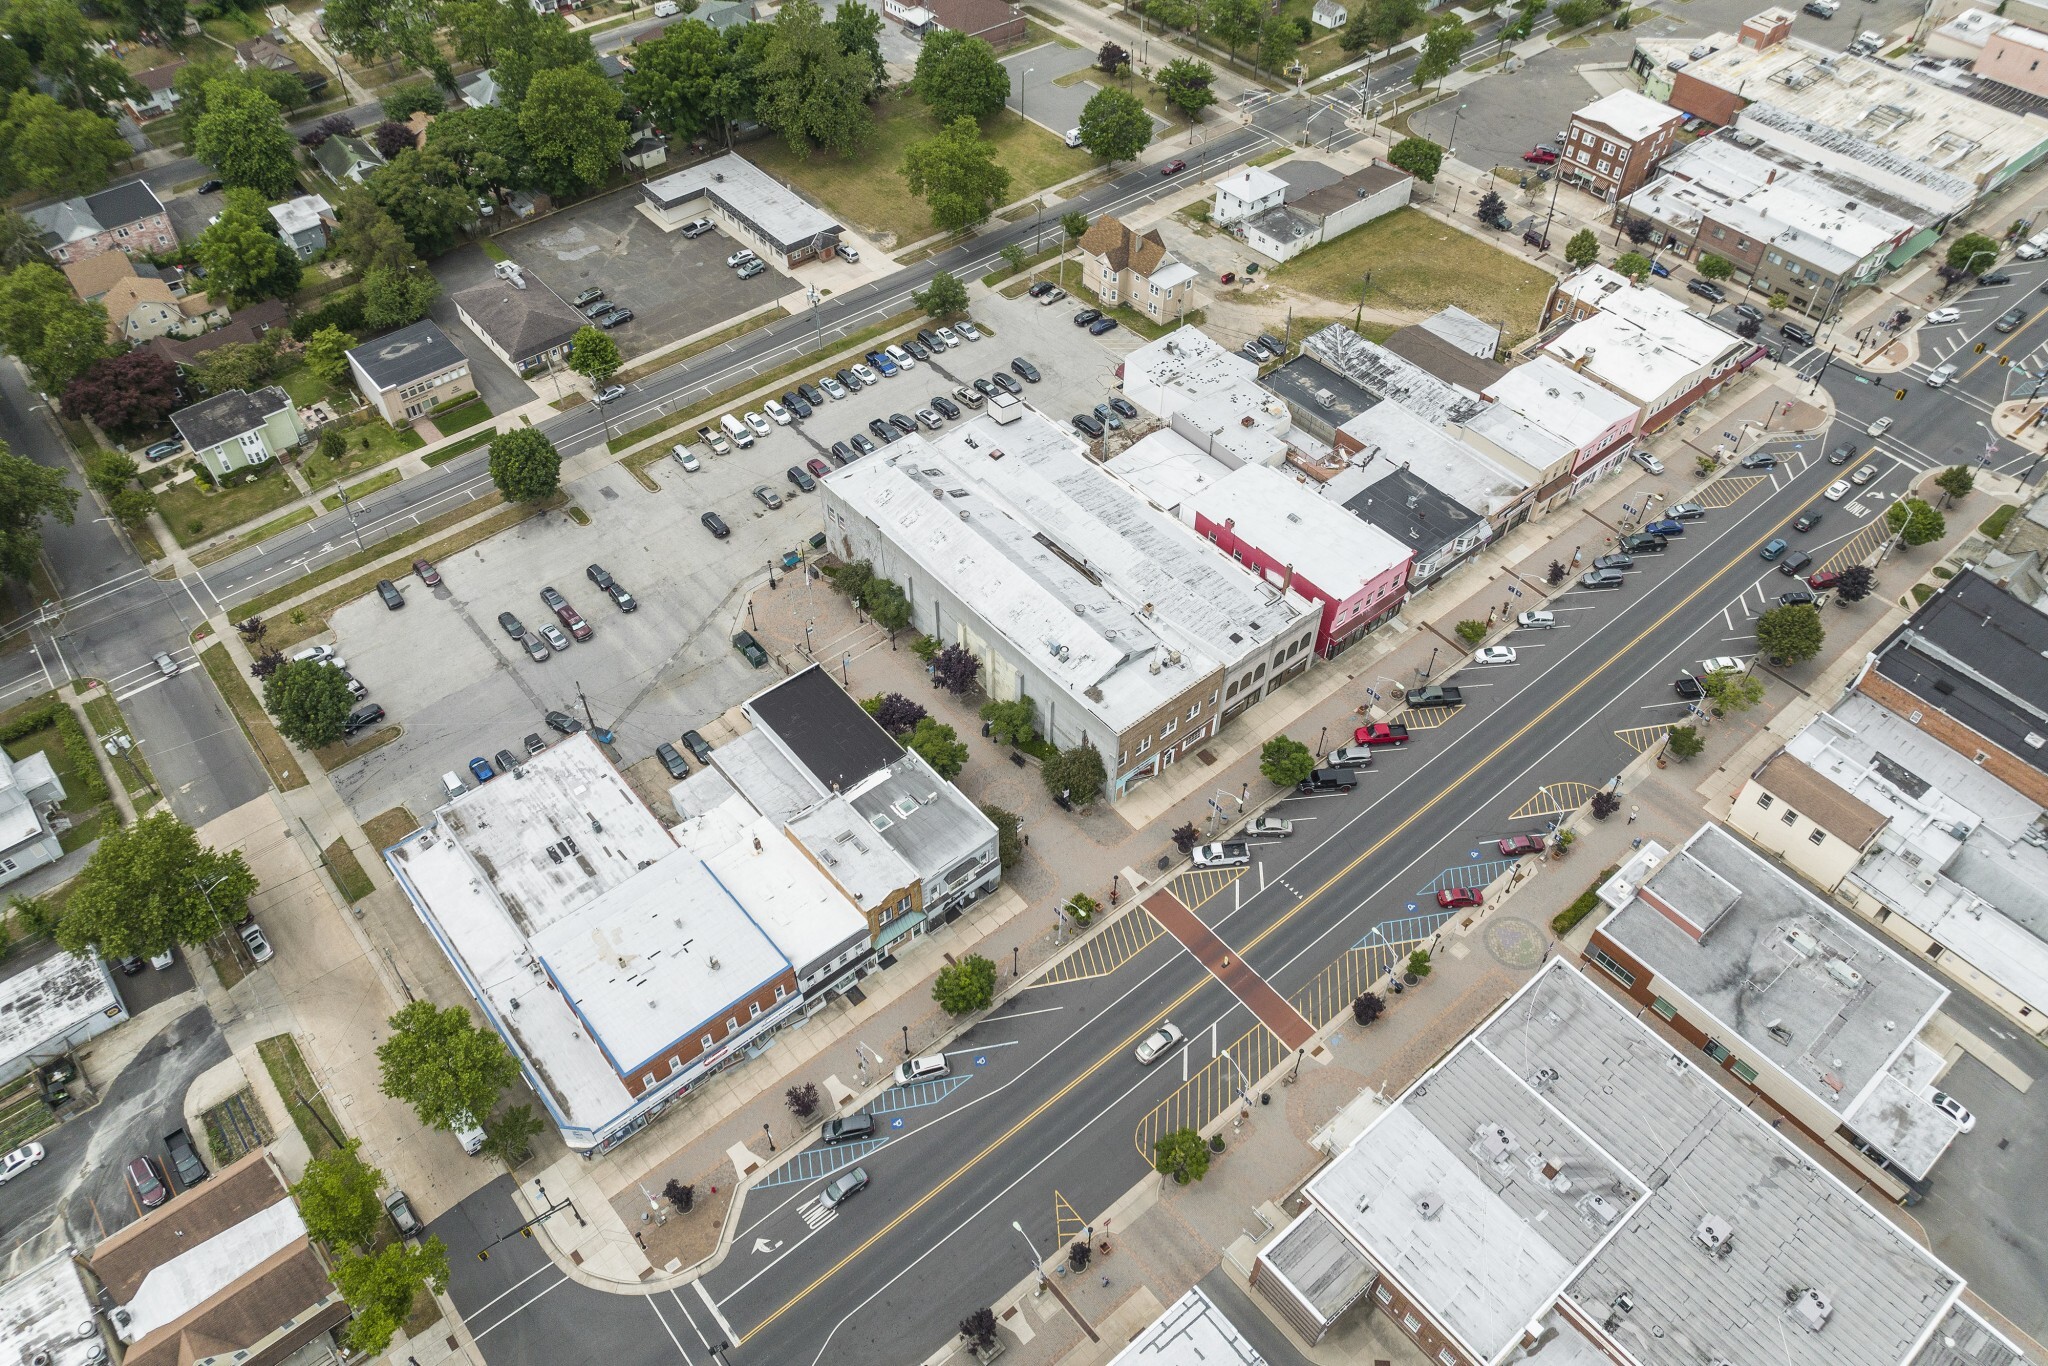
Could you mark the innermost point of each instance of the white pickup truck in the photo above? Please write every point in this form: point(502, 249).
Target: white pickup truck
point(1225, 854)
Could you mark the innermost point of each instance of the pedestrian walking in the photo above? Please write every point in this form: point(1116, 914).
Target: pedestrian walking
point(1105, 1282)
point(1633, 812)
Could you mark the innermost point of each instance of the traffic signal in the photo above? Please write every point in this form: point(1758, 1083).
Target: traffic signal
point(1899, 394)
point(1979, 348)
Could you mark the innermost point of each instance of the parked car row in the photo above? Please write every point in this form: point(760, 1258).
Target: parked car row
point(606, 313)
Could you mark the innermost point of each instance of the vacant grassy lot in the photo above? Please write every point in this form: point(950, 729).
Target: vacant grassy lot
point(1421, 264)
point(389, 827)
point(195, 512)
point(868, 192)
point(302, 1097)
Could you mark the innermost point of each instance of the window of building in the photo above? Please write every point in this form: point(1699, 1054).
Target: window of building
point(780, 991)
point(1791, 817)
point(1194, 711)
point(1602, 167)
point(732, 1024)
point(1714, 1049)
point(1664, 1008)
point(647, 1080)
point(675, 1064)
point(1411, 1323)
point(1447, 1357)
point(1383, 1295)
point(1764, 800)
point(1819, 836)
point(1613, 969)
point(1144, 744)
point(753, 1010)
point(1169, 728)
point(1743, 1070)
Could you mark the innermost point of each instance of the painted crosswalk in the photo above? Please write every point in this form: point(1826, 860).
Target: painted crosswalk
point(817, 1214)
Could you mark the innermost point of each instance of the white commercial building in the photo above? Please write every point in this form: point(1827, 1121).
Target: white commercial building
point(1124, 627)
point(50, 1003)
point(1594, 423)
point(620, 967)
point(1388, 436)
point(1191, 1332)
point(1246, 194)
point(1642, 344)
point(1566, 1187)
point(1184, 365)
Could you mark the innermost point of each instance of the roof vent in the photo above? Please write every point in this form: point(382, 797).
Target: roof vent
point(713, 962)
point(1543, 1077)
point(1843, 973)
point(1429, 1206)
point(1715, 1234)
point(1810, 1307)
point(1602, 1210)
point(1806, 945)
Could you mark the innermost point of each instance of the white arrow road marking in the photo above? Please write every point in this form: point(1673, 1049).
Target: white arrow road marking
point(763, 1245)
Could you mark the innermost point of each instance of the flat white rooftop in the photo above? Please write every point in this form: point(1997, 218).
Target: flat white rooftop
point(50, 996)
point(1169, 470)
point(1304, 524)
point(175, 1288)
point(751, 856)
point(1630, 113)
point(1192, 1332)
point(1394, 438)
point(1559, 400)
point(45, 1315)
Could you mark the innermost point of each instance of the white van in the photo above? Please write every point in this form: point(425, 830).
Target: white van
point(737, 430)
point(452, 786)
point(1073, 137)
point(2034, 248)
point(468, 1134)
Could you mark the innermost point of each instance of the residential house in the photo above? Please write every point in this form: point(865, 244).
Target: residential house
point(235, 430)
point(1134, 270)
point(1124, 627)
point(1329, 14)
point(95, 275)
point(141, 307)
point(305, 224)
point(52, 1002)
point(479, 89)
point(1246, 194)
point(30, 820)
point(127, 217)
point(753, 206)
point(264, 53)
point(1310, 216)
point(155, 94)
point(406, 374)
point(347, 157)
point(996, 22)
point(525, 328)
point(725, 15)
point(1615, 142)
point(223, 1271)
point(251, 323)
point(645, 153)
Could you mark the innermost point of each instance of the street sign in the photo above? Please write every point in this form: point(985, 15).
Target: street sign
point(1514, 590)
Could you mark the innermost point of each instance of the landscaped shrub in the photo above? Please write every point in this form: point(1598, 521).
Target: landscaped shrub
point(1588, 900)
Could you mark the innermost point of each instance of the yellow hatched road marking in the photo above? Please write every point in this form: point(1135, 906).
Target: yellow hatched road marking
point(1067, 1223)
point(1725, 492)
point(1426, 718)
point(1554, 799)
point(1643, 739)
point(1108, 949)
point(1339, 984)
point(1860, 545)
point(1213, 1088)
point(1201, 885)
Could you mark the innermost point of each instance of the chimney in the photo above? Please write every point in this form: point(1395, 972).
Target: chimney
point(1288, 581)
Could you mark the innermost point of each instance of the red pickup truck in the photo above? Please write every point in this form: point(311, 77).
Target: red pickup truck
point(1382, 733)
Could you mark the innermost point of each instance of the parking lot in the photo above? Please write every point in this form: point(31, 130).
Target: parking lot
point(460, 687)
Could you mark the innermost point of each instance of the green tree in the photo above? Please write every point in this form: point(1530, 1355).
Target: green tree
point(1684, 742)
point(888, 607)
point(367, 237)
point(1583, 250)
point(243, 137)
point(1633, 264)
point(128, 393)
point(1733, 689)
point(1279, 40)
point(407, 98)
point(1182, 1155)
point(1387, 21)
point(310, 701)
point(859, 30)
point(373, 30)
point(1418, 964)
point(675, 79)
point(47, 149)
point(48, 329)
point(485, 145)
point(382, 1286)
point(808, 89)
point(571, 126)
point(243, 257)
point(509, 1137)
point(131, 506)
point(1187, 85)
point(394, 296)
point(21, 242)
point(1974, 252)
point(1442, 46)
point(1790, 634)
point(1472, 631)
point(108, 472)
point(1115, 126)
point(327, 354)
point(428, 196)
point(966, 986)
point(594, 355)
point(1716, 267)
point(1009, 834)
point(238, 365)
point(1074, 225)
point(1914, 521)
point(939, 746)
point(959, 76)
point(54, 34)
point(338, 1198)
point(1956, 482)
point(1778, 300)
point(1286, 761)
point(957, 175)
point(151, 885)
point(1075, 773)
point(442, 1065)
point(1174, 14)
point(525, 465)
point(1573, 14)
point(942, 298)
point(1233, 23)
point(1417, 156)
point(1011, 723)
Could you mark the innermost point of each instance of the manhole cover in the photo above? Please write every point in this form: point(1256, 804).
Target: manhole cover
point(607, 492)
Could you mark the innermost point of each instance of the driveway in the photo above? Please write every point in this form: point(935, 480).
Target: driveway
point(502, 389)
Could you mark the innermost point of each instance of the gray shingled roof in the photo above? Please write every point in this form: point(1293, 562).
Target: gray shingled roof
point(525, 322)
point(227, 415)
point(408, 354)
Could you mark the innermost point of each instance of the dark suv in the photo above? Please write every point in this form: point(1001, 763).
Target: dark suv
point(850, 1129)
point(1329, 780)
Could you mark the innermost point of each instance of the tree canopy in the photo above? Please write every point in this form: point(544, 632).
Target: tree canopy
point(1417, 156)
point(49, 149)
point(151, 885)
point(128, 393)
point(442, 1065)
point(1442, 46)
point(1920, 522)
point(681, 80)
point(571, 126)
point(1583, 249)
point(966, 986)
point(594, 355)
point(29, 492)
point(1187, 85)
point(381, 1287)
point(338, 1198)
point(959, 76)
point(310, 701)
point(943, 297)
point(1115, 125)
point(45, 326)
point(427, 196)
point(809, 89)
point(1791, 634)
point(939, 745)
point(956, 173)
point(244, 259)
point(243, 137)
point(525, 465)
point(1286, 761)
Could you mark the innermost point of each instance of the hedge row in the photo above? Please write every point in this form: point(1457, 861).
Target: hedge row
point(85, 760)
point(1562, 923)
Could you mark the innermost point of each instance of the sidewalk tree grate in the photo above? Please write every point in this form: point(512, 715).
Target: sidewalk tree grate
point(1554, 799)
point(1213, 1088)
point(1198, 887)
point(1479, 874)
point(1425, 718)
point(1108, 949)
point(1643, 739)
point(816, 1162)
point(916, 1095)
point(1727, 492)
point(1859, 547)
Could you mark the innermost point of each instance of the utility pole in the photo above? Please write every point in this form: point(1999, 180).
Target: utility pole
point(586, 708)
point(349, 508)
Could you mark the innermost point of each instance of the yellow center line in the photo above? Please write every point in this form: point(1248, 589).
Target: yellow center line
point(1244, 949)
point(2011, 338)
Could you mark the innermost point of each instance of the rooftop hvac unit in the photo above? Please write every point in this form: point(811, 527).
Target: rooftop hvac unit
point(1495, 1143)
point(1806, 945)
point(1844, 974)
point(1429, 1206)
point(1715, 1234)
point(1603, 1210)
point(1810, 1308)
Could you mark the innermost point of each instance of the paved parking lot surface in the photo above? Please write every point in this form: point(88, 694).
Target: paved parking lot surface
point(1056, 108)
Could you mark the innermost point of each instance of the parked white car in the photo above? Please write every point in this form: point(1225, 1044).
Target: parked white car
point(904, 360)
point(259, 947)
point(19, 1161)
point(1495, 654)
point(777, 414)
point(687, 460)
point(1953, 1108)
point(1271, 826)
point(1943, 315)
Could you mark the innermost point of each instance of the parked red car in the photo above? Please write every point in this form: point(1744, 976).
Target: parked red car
point(1514, 846)
point(1823, 580)
point(1540, 156)
point(1229, 277)
point(1452, 898)
point(1173, 168)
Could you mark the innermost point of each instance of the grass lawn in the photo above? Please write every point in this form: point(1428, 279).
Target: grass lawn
point(389, 827)
point(343, 751)
point(456, 416)
point(307, 388)
point(301, 1094)
point(1419, 263)
point(1994, 526)
point(86, 815)
point(193, 512)
point(362, 489)
point(371, 441)
point(348, 872)
point(105, 715)
point(868, 191)
point(270, 747)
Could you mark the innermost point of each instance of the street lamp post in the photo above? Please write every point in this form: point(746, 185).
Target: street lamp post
point(1022, 82)
point(1037, 1262)
point(1451, 147)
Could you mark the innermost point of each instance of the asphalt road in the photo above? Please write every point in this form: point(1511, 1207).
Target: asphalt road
point(1045, 1095)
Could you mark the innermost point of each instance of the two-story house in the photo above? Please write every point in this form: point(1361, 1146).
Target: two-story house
point(30, 795)
point(237, 431)
point(128, 218)
point(154, 93)
point(304, 224)
point(1135, 270)
point(140, 307)
point(347, 157)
